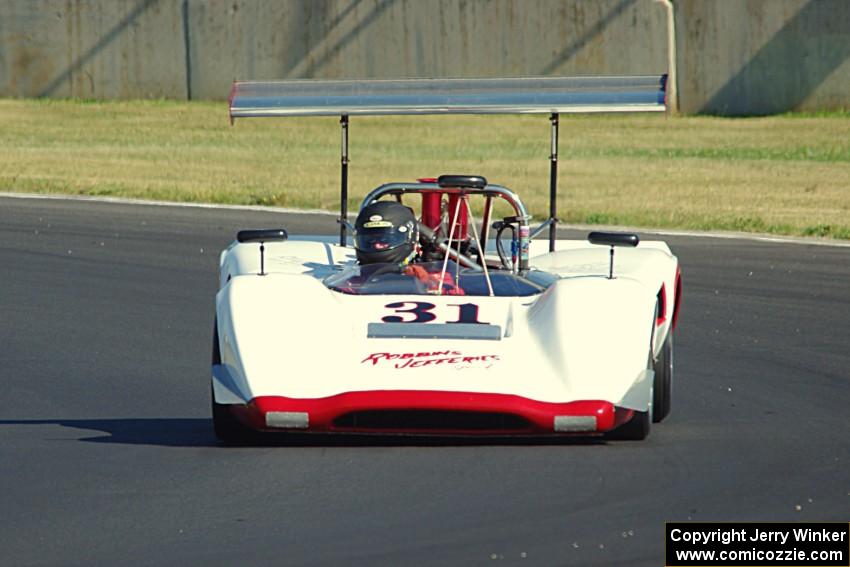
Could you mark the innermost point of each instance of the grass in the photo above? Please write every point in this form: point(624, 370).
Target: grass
point(787, 174)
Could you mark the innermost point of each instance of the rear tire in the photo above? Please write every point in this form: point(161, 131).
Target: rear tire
point(663, 382)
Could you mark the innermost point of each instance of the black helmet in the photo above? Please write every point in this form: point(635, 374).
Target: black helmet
point(385, 231)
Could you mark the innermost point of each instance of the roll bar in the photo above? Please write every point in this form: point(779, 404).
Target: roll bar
point(489, 190)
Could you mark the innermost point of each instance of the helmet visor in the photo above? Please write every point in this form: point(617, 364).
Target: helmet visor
point(377, 239)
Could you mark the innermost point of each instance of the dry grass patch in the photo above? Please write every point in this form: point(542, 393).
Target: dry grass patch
point(784, 174)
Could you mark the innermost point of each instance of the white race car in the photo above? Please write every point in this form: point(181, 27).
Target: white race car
point(482, 331)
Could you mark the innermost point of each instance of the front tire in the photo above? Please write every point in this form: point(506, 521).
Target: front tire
point(663, 382)
point(227, 428)
point(636, 429)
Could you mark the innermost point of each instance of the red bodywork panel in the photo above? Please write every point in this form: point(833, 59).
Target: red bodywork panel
point(537, 417)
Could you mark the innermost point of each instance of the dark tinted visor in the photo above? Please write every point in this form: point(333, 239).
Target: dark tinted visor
point(376, 239)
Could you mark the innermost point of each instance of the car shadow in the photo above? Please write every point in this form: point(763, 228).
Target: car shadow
point(166, 432)
point(198, 432)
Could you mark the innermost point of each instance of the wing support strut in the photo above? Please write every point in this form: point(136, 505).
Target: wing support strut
point(343, 192)
point(553, 183)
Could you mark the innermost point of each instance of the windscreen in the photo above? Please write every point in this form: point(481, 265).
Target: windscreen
point(427, 278)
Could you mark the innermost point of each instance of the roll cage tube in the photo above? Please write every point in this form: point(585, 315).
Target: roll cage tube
point(490, 190)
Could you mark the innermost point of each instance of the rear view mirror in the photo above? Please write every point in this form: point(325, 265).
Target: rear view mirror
point(262, 235)
point(613, 239)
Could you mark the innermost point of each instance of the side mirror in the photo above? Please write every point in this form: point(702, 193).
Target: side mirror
point(613, 239)
point(262, 236)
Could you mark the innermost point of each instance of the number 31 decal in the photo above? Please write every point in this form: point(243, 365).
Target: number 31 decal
point(420, 312)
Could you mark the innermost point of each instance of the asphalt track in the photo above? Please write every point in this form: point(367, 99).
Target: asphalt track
point(107, 455)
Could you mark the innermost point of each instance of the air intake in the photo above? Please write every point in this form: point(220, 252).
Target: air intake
point(432, 420)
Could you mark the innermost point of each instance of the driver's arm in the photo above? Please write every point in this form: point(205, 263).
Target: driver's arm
point(432, 281)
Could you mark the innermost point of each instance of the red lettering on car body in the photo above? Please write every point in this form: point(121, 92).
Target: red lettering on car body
point(421, 359)
point(374, 358)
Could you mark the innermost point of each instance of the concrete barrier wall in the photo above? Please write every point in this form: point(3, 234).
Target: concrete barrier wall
point(734, 57)
point(195, 48)
point(91, 49)
point(763, 56)
point(430, 38)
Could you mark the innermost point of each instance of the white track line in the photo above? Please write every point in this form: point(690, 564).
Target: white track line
point(809, 241)
point(123, 201)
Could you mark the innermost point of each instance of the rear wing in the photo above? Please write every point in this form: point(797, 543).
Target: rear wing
point(533, 95)
point(529, 95)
